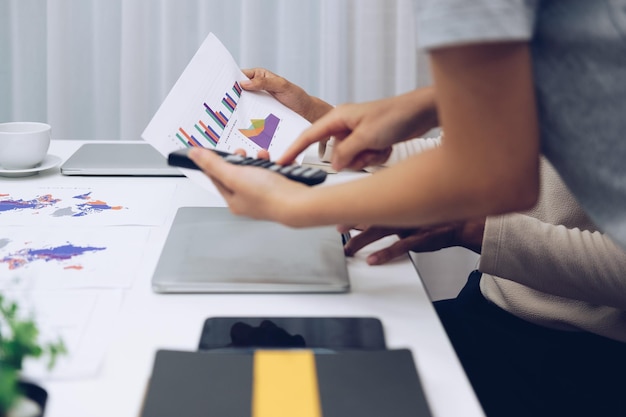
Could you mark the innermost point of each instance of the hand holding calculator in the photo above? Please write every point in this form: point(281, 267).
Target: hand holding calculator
point(305, 175)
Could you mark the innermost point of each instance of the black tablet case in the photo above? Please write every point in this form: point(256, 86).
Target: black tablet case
point(350, 383)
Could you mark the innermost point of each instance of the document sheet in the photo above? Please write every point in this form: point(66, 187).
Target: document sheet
point(208, 108)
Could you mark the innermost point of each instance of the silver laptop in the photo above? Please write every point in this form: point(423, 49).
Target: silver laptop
point(133, 159)
point(210, 250)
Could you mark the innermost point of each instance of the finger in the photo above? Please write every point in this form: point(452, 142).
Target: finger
point(263, 154)
point(263, 79)
point(331, 124)
point(389, 253)
point(249, 72)
point(295, 149)
point(351, 152)
point(344, 228)
point(368, 158)
point(224, 191)
point(363, 239)
point(376, 157)
point(214, 166)
point(255, 81)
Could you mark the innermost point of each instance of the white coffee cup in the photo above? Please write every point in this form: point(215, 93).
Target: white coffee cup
point(23, 145)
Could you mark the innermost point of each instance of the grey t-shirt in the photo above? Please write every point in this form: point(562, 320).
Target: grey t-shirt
point(579, 63)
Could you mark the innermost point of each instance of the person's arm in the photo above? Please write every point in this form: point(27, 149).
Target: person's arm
point(487, 164)
point(555, 259)
point(553, 248)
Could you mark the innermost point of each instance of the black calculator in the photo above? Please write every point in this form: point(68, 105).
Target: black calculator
point(305, 175)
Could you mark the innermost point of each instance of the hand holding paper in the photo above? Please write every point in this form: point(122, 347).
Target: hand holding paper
point(207, 107)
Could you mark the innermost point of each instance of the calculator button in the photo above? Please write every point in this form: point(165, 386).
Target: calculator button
point(234, 159)
point(287, 169)
point(298, 170)
point(247, 161)
point(306, 175)
point(311, 172)
point(257, 162)
point(221, 153)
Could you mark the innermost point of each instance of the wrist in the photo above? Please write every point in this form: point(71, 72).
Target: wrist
point(427, 102)
point(471, 235)
point(316, 109)
point(298, 209)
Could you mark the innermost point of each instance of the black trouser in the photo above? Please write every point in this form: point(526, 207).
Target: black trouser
point(521, 369)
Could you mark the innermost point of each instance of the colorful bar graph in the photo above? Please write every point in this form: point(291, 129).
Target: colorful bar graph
point(212, 134)
point(218, 117)
point(190, 139)
point(212, 129)
point(184, 141)
point(229, 102)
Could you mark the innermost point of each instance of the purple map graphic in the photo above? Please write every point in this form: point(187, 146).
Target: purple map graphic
point(91, 206)
point(65, 252)
point(84, 205)
point(35, 204)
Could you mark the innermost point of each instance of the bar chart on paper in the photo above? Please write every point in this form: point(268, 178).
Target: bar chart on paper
point(207, 132)
point(207, 107)
point(225, 126)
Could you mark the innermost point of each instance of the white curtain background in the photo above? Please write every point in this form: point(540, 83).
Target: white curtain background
point(99, 69)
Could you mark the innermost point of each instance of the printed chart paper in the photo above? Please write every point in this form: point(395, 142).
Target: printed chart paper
point(83, 319)
point(55, 257)
point(208, 108)
point(101, 205)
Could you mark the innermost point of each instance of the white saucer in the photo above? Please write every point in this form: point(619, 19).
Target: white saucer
point(50, 161)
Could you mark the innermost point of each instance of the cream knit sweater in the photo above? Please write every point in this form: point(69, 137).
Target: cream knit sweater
point(550, 265)
point(560, 271)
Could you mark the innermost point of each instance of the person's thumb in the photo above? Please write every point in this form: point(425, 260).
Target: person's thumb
point(346, 151)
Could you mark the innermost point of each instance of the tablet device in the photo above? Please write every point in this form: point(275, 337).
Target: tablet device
point(334, 333)
point(209, 250)
point(119, 159)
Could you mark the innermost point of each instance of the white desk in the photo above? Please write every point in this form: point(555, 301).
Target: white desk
point(150, 321)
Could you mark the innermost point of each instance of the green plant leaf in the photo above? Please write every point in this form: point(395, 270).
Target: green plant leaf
point(19, 340)
point(8, 388)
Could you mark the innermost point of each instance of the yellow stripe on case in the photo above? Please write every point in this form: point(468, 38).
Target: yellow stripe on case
point(285, 384)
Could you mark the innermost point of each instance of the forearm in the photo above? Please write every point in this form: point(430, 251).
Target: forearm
point(436, 186)
point(316, 109)
point(413, 113)
point(567, 262)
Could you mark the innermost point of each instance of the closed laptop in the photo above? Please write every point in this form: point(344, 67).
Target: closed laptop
point(208, 249)
point(118, 159)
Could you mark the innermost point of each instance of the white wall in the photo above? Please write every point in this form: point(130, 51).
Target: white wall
point(98, 69)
